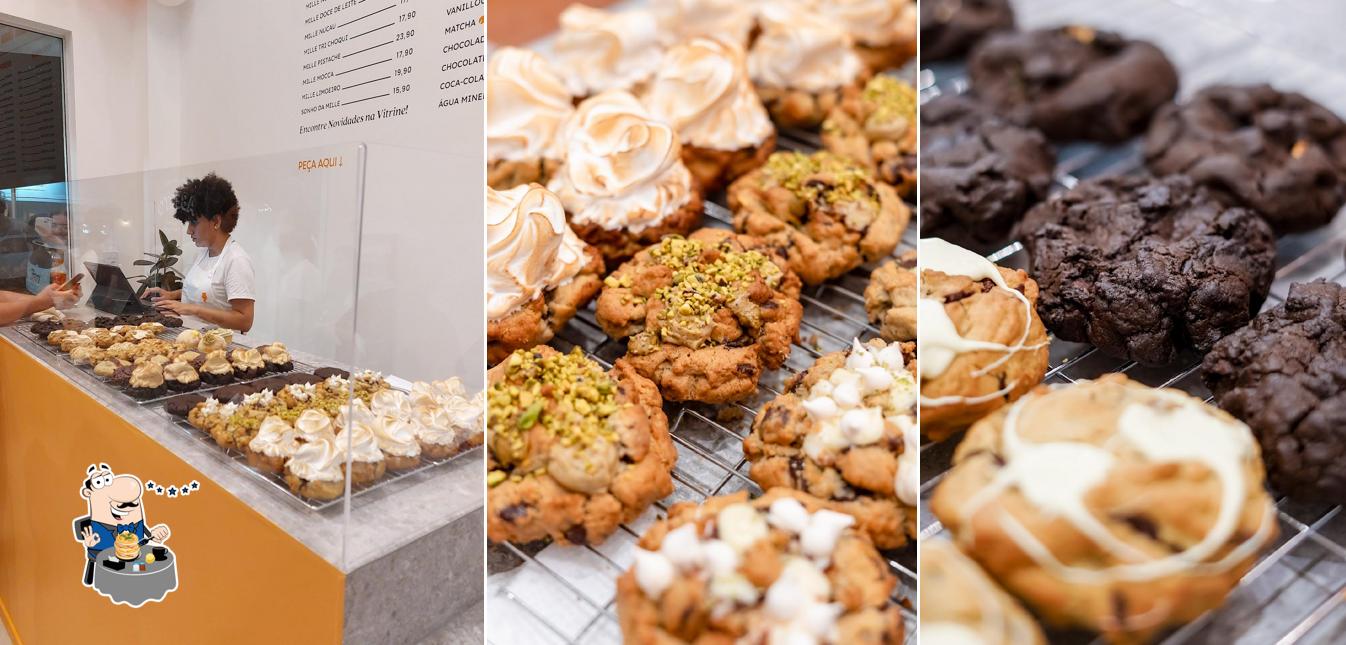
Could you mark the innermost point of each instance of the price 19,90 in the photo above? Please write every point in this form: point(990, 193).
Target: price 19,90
point(402, 71)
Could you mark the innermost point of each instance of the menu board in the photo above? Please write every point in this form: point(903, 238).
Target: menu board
point(366, 61)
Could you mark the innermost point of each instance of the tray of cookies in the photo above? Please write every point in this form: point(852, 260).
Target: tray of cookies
point(1135, 330)
point(295, 431)
point(701, 345)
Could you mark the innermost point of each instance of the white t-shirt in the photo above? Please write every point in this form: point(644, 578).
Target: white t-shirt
point(214, 281)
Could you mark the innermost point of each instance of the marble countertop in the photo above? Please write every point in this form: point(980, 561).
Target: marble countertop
point(377, 522)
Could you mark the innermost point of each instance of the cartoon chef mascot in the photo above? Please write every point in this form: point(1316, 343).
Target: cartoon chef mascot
point(115, 507)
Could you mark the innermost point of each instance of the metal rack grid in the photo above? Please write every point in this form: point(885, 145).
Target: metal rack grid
point(548, 593)
point(1297, 592)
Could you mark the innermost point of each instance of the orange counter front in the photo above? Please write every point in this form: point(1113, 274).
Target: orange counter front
point(241, 578)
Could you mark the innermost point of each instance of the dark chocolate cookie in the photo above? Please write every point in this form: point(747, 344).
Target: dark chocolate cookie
point(949, 28)
point(979, 173)
point(1073, 82)
point(1278, 153)
point(1285, 376)
point(301, 378)
point(42, 329)
point(234, 393)
point(328, 372)
point(1145, 268)
point(180, 406)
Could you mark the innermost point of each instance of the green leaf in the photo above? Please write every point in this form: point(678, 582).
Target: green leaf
point(171, 262)
point(163, 238)
point(142, 263)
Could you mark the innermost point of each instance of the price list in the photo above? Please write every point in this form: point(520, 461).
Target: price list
point(360, 61)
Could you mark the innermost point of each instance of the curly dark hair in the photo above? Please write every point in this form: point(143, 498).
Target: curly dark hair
point(210, 197)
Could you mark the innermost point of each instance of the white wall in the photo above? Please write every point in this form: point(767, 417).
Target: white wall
point(157, 87)
point(107, 53)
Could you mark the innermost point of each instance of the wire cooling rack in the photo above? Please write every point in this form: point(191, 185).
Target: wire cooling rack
point(548, 593)
point(1297, 592)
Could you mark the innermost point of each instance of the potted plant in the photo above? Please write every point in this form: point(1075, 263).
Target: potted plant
point(160, 272)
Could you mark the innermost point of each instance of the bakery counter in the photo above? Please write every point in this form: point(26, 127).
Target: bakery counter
point(328, 571)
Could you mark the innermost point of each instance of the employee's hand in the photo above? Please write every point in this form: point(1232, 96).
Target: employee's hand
point(160, 533)
point(89, 539)
point(156, 294)
point(176, 306)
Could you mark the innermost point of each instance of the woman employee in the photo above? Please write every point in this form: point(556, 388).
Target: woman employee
point(220, 287)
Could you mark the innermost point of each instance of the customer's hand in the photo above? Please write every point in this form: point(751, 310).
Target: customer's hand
point(58, 297)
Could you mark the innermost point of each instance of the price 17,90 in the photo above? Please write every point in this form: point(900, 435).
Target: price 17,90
point(405, 53)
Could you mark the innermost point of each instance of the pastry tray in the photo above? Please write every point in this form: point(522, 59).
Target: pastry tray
point(1296, 592)
point(278, 481)
point(549, 593)
point(168, 336)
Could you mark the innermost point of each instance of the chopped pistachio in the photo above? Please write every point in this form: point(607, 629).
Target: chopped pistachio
point(580, 397)
point(495, 477)
point(891, 98)
point(822, 175)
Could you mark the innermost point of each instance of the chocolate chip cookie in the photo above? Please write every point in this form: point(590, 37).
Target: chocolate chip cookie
point(1283, 376)
point(949, 28)
point(1277, 153)
point(982, 344)
point(1109, 505)
point(890, 298)
point(705, 315)
point(1074, 82)
point(779, 568)
point(979, 173)
point(573, 451)
point(959, 604)
point(1146, 268)
point(824, 213)
point(844, 430)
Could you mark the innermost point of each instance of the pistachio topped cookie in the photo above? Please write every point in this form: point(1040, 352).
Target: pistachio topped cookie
point(703, 315)
point(573, 450)
point(824, 213)
point(876, 127)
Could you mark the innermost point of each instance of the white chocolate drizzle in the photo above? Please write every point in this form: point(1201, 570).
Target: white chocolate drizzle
point(1056, 477)
point(939, 340)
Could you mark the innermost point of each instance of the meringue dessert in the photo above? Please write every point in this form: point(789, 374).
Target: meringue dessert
point(275, 442)
point(247, 363)
point(606, 50)
point(884, 31)
point(703, 90)
point(539, 273)
point(216, 369)
point(276, 357)
point(527, 102)
point(876, 128)
point(181, 376)
point(623, 182)
point(355, 435)
point(729, 20)
point(315, 470)
point(801, 65)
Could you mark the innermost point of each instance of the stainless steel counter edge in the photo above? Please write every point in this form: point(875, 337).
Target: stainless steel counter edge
point(381, 521)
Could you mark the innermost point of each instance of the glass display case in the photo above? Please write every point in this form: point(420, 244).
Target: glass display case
point(339, 442)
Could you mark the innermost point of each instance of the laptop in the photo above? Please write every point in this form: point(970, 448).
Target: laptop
point(112, 292)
